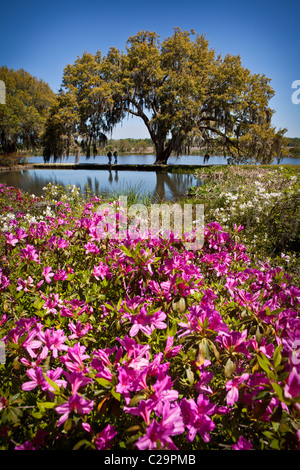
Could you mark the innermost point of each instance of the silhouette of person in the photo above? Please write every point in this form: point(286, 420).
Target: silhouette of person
point(116, 156)
point(206, 158)
point(109, 157)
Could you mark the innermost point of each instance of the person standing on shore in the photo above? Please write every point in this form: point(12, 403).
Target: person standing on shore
point(109, 157)
point(116, 157)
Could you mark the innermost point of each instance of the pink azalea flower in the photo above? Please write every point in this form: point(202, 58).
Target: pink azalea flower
point(75, 403)
point(169, 350)
point(29, 253)
point(77, 380)
point(37, 379)
point(104, 438)
point(47, 273)
point(171, 424)
point(52, 303)
point(53, 340)
point(11, 238)
point(74, 358)
point(236, 342)
point(91, 248)
point(196, 417)
point(31, 344)
point(292, 387)
point(146, 322)
point(242, 444)
point(100, 271)
point(54, 376)
point(62, 243)
point(233, 387)
point(144, 409)
point(60, 275)
point(231, 283)
point(79, 330)
point(23, 285)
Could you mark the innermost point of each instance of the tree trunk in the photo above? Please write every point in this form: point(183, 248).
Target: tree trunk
point(163, 150)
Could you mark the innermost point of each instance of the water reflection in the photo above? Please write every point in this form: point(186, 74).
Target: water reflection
point(162, 186)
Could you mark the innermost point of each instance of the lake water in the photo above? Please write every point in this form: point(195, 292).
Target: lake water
point(163, 186)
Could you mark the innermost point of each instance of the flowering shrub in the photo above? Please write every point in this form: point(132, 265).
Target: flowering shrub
point(138, 343)
point(265, 201)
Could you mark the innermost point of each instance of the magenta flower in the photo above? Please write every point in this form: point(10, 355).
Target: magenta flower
point(233, 387)
point(100, 271)
point(91, 248)
point(242, 444)
point(231, 283)
point(31, 344)
point(29, 253)
point(53, 340)
point(196, 417)
point(37, 379)
point(201, 318)
point(104, 438)
point(236, 342)
point(77, 380)
point(162, 390)
point(79, 330)
point(171, 351)
point(62, 243)
point(75, 403)
point(205, 377)
point(130, 380)
point(47, 273)
point(74, 358)
point(292, 387)
point(11, 238)
point(52, 303)
point(54, 376)
point(171, 424)
point(4, 281)
point(145, 322)
point(144, 409)
point(23, 285)
point(60, 275)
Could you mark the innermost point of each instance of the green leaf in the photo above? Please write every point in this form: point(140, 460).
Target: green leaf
point(264, 363)
point(105, 383)
point(82, 443)
point(116, 395)
point(68, 424)
point(277, 357)
point(46, 405)
point(53, 384)
point(190, 376)
point(278, 390)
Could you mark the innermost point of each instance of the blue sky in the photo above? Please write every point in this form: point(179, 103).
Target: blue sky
point(43, 37)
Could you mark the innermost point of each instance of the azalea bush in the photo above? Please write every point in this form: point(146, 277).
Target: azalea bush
point(138, 342)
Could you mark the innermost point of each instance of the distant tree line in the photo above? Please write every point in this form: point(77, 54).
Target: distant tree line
point(24, 114)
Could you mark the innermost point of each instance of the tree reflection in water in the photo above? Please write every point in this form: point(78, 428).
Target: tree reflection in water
point(165, 186)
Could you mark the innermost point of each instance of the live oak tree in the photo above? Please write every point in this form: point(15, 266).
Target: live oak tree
point(23, 116)
point(185, 95)
point(84, 112)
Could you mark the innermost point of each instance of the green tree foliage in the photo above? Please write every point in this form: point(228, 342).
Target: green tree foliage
point(25, 111)
point(84, 111)
point(182, 91)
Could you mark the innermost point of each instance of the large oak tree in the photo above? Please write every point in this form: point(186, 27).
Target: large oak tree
point(184, 93)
